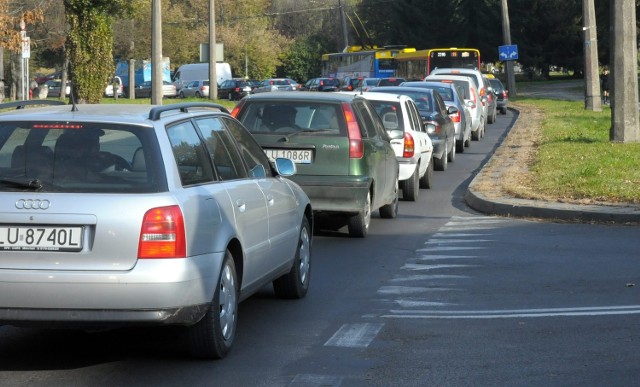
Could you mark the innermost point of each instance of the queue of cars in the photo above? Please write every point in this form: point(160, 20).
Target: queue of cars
point(137, 215)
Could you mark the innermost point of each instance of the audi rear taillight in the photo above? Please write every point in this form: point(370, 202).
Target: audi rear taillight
point(409, 146)
point(356, 146)
point(162, 234)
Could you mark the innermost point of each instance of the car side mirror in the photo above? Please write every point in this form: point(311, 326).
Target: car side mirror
point(452, 110)
point(285, 167)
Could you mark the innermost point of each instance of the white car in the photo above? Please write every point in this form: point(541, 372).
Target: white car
point(481, 83)
point(471, 98)
point(409, 140)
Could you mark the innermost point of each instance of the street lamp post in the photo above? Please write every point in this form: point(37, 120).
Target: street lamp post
point(506, 35)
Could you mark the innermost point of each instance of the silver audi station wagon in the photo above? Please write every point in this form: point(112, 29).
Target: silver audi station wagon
point(118, 215)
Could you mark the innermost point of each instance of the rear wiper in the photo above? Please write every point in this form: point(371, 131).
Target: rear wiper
point(288, 136)
point(27, 183)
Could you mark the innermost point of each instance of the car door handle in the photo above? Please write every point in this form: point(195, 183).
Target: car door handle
point(270, 200)
point(242, 206)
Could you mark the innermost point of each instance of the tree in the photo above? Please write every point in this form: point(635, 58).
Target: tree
point(90, 43)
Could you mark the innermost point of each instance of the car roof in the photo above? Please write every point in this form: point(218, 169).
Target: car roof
point(451, 77)
point(303, 96)
point(384, 96)
point(433, 82)
point(403, 89)
point(137, 114)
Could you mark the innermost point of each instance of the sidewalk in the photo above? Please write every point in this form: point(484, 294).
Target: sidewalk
point(487, 194)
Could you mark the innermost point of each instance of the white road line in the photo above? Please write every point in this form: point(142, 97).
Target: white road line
point(397, 290)
point(437, 257)
point(424, 277)
point(316, 380)
point(354, 335)
point(456, 235)
point(406, 303)
point(515, 313)
point(454, 241)
point(419, 267)
point(448, 248)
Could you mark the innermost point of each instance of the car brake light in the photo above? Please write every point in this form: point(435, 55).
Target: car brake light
point(356, 146)
point(236, 110)
point(455, 117)
point(409, 146)
point(162, 234)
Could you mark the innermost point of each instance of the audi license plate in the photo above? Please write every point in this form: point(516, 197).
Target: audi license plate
point(41, 238)
point(297, 156)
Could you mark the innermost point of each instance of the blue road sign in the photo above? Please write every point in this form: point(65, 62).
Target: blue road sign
point(509, 52)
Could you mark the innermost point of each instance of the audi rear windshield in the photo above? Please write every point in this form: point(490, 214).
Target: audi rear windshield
point(79, 157)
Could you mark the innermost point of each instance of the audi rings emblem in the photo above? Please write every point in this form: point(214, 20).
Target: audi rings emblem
point(32, 204)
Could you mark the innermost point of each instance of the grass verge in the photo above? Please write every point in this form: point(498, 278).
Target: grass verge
point(574, 160)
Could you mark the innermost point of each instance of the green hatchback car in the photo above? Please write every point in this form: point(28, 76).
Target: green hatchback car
point(344, 159)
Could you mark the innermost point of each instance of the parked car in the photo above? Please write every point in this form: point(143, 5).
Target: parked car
point(367, 84)
point(351, 83)
point(471, 98)
point(108, 90)
point(409, 139)
point(276, 84)
point(54, 87)
point(451, 94)
point(345, 162)
point(435, 116)
point(143, 90)
point(492, 103)
point(234, 89)
point(198, 89)
point(502, 95)
point(323, 84)
point(118, 215)
point(480, 82)
point(393, 81)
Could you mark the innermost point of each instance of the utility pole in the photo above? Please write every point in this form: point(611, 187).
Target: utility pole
point(343, 20)
point(506, 35)
point(156, 53)
point(592, 99)
point(624, 70)
point(213, 78)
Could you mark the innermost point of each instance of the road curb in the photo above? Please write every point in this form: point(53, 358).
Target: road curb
point(528, 208)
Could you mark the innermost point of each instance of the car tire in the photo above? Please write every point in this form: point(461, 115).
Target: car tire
point(410, 187)
point(390, 211)
point(492, 117)
point(451, 156)
point(475, 136)
point(441, 163)
point(213, 335)
point(295, 284)
point(503, 110)
point(230, 97)
point(358, 225)
point(181, 95)
point(426, 181)
point(459, 146)
point(467, 142)
point(198, 95)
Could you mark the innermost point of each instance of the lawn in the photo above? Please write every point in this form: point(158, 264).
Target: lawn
point(575, 160)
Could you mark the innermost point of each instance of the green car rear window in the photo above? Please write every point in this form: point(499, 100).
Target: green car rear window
point(293, 117)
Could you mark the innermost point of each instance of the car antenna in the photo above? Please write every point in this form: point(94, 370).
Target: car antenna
point(72, 95)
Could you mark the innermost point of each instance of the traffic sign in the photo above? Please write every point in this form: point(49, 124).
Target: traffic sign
point(508, 52)
point(26, 47)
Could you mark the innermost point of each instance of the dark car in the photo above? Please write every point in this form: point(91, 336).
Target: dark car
point(502, 95)
point(345, 162)
point(234, 89)
point(452, 96)
point(435, 116)
point(393, 81)
point(351, 83)
point(323, 84)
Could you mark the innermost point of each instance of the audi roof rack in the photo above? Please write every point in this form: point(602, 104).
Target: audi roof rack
point(156, 112)
point(30, 102)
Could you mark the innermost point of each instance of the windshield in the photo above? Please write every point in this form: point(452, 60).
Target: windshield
point(309, 118)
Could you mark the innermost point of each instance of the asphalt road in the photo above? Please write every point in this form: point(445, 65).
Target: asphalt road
point(441, 296)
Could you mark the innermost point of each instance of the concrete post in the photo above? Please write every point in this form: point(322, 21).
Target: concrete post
point(156, 53)
point(592, 99)
point(506, 35)
point(624, 72)
point(213, 77)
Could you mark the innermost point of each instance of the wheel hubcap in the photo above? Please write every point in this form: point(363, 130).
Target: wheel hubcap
point(228, 302)
point(305, 256)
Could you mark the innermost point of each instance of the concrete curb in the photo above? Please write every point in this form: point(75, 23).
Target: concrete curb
point(526, 208)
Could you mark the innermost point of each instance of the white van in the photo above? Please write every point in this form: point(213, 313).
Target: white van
point(199, 72)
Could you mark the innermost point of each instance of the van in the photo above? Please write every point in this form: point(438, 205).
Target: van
point(199, 72)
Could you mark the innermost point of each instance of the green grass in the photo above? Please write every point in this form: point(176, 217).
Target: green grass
point(576, 160)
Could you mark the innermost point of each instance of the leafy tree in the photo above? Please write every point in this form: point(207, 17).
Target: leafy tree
point(90, 43)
